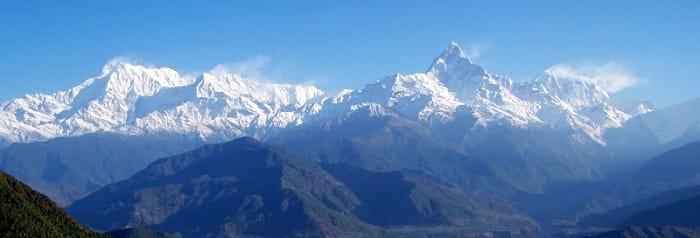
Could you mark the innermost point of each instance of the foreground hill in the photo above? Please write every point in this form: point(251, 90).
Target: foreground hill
point(238, 188)
point(27, 213)
point(244, 187)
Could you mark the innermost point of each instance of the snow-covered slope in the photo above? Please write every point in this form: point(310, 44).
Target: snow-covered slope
point(133, 99)
point(489, 95)
point(453, 83)
point(218, 105)
point(572, 102)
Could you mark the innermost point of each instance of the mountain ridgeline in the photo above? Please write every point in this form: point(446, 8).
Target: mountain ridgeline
point(244, 187)
point(454, 150)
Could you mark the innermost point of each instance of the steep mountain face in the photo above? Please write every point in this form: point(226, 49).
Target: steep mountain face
point(246, 188)
point(66, 169)
point(136, 100)
point(27, 213)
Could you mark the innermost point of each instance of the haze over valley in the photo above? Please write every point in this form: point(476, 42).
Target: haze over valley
point(449, 149)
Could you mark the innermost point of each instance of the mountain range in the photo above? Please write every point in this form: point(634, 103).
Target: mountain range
point(456, 145)
point(562, 116)
point(131, 99)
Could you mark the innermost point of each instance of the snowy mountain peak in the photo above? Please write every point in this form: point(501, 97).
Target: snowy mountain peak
point(220, 105)
point(115, 65)
point(634, 107)
point(454, 69)
point(451, 58)
point(576, 90)
point(125, 79)
point(134, 99)
point(453, 52)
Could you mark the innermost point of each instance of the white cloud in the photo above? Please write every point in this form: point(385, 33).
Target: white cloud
point(252, 68)
point(262, 69)
point(612, 76)
point(474, 51)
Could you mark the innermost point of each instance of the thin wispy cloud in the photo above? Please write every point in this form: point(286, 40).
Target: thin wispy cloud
point(263, 69)
point(612, 76)
point(474, 51)
point(251, 68)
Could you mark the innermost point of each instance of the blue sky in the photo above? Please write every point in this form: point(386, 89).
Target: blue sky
point(49, 46)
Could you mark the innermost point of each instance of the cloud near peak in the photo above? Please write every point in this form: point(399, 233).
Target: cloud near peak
point(252, 68)
point(613, 77)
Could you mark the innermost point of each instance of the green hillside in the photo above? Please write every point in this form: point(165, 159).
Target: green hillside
point(27, 213)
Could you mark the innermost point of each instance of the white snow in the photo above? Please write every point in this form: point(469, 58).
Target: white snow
point(133, 99)
point(218, 105)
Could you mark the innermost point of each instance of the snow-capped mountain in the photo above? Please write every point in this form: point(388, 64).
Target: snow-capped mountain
point(217, 105)
point(573, 103)
point(131, 99)
point(453, 83)
point(489, 95)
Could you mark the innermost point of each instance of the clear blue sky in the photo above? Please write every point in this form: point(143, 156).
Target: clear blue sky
point(46, 46)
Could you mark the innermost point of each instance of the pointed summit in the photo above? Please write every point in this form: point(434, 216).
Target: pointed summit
point(452, 57)
point(453, 51)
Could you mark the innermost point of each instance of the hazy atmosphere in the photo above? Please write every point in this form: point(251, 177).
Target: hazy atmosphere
point(350, 119)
